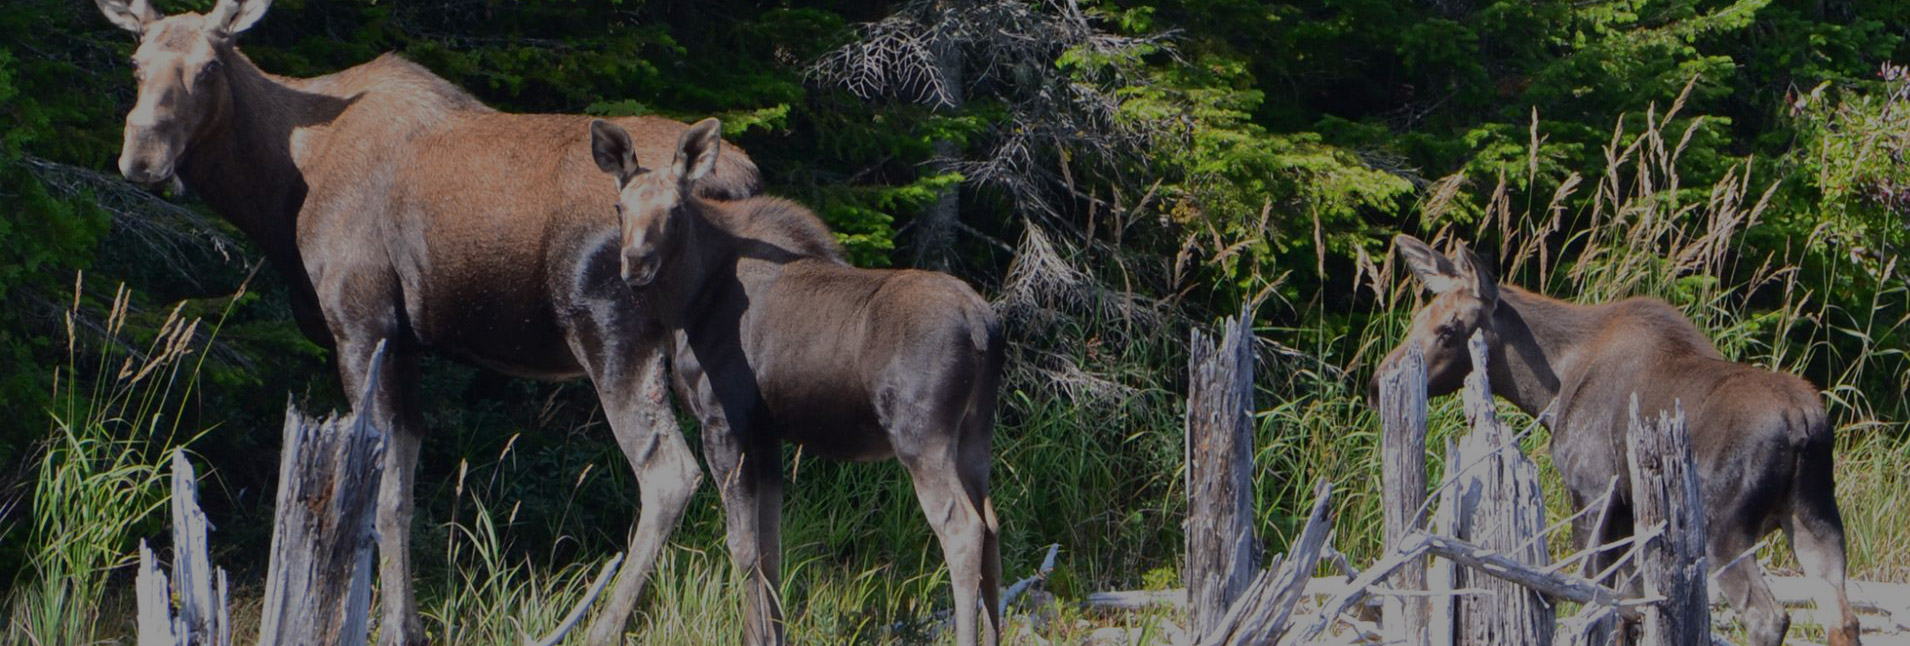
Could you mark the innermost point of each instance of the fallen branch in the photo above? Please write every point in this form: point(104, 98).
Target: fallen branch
point(604, 576)
point(1555, 584)
point(1413, 548)
point(1260, 615)
point(1136, 599)
point(1040, 575)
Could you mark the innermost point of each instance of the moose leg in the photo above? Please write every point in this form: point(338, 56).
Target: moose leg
point(1816, 530)
point(975, 455)
point(1604, 525)
point(962, 527)
point(392, 405)
point(1743, 583)
point(738, 481)
point(767, 453)
point(640, 416)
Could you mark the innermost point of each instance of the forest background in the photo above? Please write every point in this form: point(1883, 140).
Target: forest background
point(1111, 173)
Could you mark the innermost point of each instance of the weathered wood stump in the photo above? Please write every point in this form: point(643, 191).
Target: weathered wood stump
point(1260, 617)
point(318, 582)
point(1222, 551)
point(1492, 499)
point(1402, 411)
point(1672, 563)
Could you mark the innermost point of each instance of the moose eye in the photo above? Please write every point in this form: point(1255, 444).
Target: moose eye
point(208, 69)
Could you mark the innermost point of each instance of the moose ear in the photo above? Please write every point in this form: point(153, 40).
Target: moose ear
point(130, 15)
point(696, 151)
point(1434, 270)
point(233, 16)
point(610, 146)
point(1473, 273)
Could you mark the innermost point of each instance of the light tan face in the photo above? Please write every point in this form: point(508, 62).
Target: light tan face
point(650, 202)
point(645, 208)
point(183, 89)
point(1464, 300)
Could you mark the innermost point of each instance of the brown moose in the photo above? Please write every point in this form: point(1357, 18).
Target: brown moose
point(1760, 439)
point(399, 208)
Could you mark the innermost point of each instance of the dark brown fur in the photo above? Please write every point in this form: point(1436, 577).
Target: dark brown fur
point(776, 339)
point(400, 208)
point(1760, 439)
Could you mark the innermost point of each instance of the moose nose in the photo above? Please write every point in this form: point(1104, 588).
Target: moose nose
point(639, 269)
point(141, 170)
point(135, 170)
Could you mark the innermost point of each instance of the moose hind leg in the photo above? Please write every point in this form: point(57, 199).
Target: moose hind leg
point(976, 455)
point(667, 475)
point(1744, 585)
point(1816, 531)
point(963, 529)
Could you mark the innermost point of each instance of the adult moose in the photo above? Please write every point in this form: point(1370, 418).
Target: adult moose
point(775, 338)
point(399, 207)
point(1760, 439)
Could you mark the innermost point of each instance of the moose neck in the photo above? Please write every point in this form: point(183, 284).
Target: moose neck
point(244, 163)
point(1538, 341)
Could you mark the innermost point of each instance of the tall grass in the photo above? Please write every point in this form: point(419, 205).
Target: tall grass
point(117, 414)
point(491, 595)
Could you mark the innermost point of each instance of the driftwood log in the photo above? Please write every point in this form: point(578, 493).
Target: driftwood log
point(1222, 551)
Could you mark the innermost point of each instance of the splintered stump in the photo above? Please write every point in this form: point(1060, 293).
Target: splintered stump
point(1492, 500)
point(1261, 615)
point(318, 587)
point(1671, 562)
point(1402, 408)
point(1222, 553)
point(318, 583)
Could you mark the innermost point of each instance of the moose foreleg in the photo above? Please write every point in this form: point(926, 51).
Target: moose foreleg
point(743, 491)
point(667, 475)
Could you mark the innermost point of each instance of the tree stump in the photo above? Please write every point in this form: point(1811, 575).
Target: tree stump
point(318, 583)
point(1493, 500)
point(1223, 554)
point(318, 587)
point(1402, 409)
point(1672, 564)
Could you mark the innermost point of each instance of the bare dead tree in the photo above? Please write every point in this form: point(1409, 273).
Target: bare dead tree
point(940, 53)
